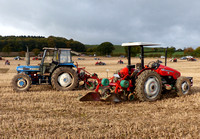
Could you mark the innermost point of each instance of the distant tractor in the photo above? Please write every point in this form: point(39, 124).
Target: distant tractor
point(18, 58)
point(120, 62)
point(7, 62)
point(191, 59)
point(100, 63)
point(37, 58)
point(56, 69)
point(173, 59)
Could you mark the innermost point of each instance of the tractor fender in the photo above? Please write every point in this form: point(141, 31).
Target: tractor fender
point(58, 66)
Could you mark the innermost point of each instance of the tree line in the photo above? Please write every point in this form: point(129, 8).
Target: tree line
point(37, 43)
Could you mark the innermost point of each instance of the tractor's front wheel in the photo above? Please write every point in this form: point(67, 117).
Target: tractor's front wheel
point(148, 86)
point(64, 79)
point(21, 82)
point(183, 86)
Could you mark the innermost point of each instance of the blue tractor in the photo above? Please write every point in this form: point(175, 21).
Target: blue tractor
point(56, 69)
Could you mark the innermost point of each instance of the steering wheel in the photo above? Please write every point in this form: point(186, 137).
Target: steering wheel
point(152, 64)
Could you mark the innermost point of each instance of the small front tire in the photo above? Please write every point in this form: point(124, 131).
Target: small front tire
point(183, 86)
point(21, 82)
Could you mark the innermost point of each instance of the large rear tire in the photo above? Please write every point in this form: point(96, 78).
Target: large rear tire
point(183, 86)
point(64, 79)
point(21, 82)
point(148, 86)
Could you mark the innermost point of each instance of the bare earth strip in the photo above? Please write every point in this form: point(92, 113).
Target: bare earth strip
point(45, 113)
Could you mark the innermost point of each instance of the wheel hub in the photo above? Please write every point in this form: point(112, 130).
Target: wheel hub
point(21, 83)
point(184, 87)
point(64, 79)
point(151, 87)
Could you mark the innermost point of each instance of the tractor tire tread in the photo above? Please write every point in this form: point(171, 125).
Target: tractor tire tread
point(14, 84)
point(139, 89)
point(179, 81)
point(54, 79)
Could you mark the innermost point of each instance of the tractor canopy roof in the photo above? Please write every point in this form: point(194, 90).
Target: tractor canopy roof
point(139, 44)
point(68, 49)
point(45, 48)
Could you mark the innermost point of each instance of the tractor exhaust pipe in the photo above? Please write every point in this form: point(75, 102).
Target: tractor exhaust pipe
point(166, 56)
point(129, 60)
point(27, 57)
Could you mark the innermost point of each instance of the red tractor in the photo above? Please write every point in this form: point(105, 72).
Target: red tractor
point(146, 82)
point(173, 59)
point(120, 62)
point(100, 63)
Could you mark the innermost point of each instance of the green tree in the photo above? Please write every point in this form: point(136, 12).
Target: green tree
point(76, 46)
point(197, 51)
point(92, 49)
point(105, 48)
point(179, 50)
point(188, 51)
point(7, 49)
point(170, 51)
point(51, 41)
point(19, 43)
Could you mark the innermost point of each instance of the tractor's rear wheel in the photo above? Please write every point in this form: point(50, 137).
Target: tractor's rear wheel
point(64, 79)
point(148, 86)
point(183, 86)
point(21, 82)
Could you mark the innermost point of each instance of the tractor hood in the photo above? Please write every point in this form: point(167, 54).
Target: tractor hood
point(123, 72)
point(167, 71)
point(28, 68)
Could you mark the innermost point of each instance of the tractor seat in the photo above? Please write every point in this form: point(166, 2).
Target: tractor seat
point(131, 66)
point(134, 74)
point(138, 66)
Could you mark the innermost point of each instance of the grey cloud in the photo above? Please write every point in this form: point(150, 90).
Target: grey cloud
point(173, 23)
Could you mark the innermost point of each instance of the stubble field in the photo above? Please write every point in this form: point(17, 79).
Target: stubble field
point(45, 113)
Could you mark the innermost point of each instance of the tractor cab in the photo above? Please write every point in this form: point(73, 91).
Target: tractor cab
point(53, 57)
point(56, 68)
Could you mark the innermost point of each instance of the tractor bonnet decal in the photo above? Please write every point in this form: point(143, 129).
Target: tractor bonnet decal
point(167, 70)
point(28, 68)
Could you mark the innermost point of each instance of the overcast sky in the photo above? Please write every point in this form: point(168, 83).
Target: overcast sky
point(169, 22)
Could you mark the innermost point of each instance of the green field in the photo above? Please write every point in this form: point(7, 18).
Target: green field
point(149, 51)
point(119, 50)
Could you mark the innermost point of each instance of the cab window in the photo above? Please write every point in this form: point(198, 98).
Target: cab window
point(65, 56)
